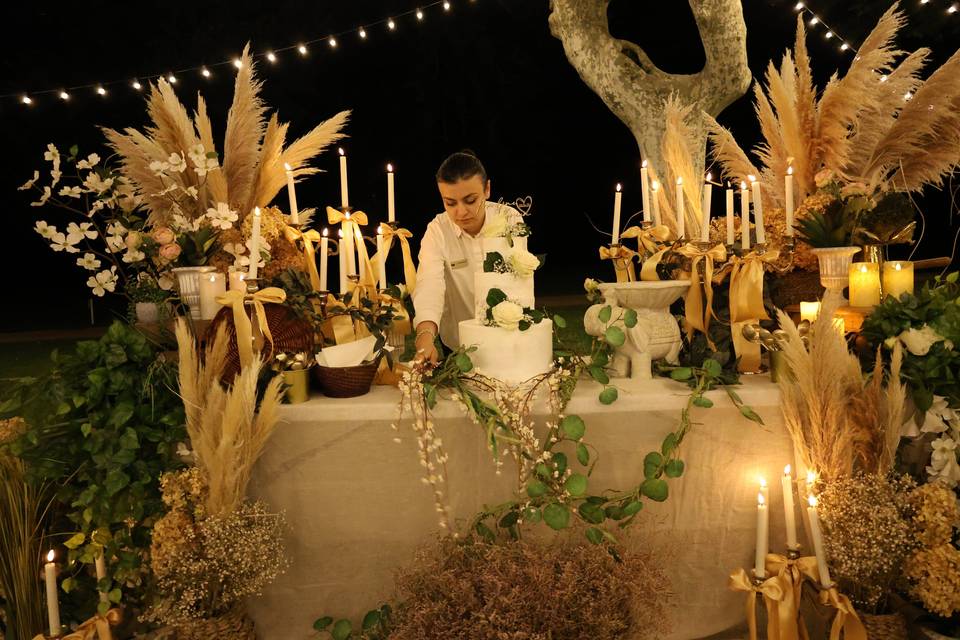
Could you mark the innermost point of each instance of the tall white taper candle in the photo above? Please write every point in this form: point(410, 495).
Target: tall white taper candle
point(758, 211)
point(788, 510)
point(391, 202)
point(381, 260)
point(744, 216)
point(254, 245)
point(645, 192)
point(818, 549)
point(681, 210)
point(342, 252)
point(53, 605)
point(617, 200)
point(707, 205)
point(655, 195)
point(344, 195)
point(763, 538)
point(324, 255)
point(788, 196)
point(292, 195)
point(731, 237)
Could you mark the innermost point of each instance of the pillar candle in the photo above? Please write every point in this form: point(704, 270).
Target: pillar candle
point(788, 509)
point(645, 192)
point(897, 277)
point(744, 216)
point(53, 605)
point(758, 211)
point(617, 200)
point(324, 255)
point(731, 237)
point(342, 252)
point(381, 260)
point(655, 193)
point(255, 244)
point(763, 539)
point(864, 284)
point(212, 285)
point(707, 203)
point(292, 195)
point(809, 311)
point(788, 196)
point(818, 549)
point(344, 196)
point(681, 212)
point(238, 281)
point(101, 567)
point(391, 203)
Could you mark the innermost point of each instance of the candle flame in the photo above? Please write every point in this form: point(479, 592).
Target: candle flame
point(896, 266)
point(286, 166)
point(389, 168)
point(679, 180)
point(50, 556)
point(752, 178)
point(655, 185)
point(863, 268)
point(256, 211)
point(813, 501)
point(743, 185)
point(789, 171)
point(619, 187)
point(763, 482)
point(786, 470)
point(709, 176)
point(379, 229)
point(325, 232)
point(346, 215)
point(760, 500)
point(643, 164)
point(341, 151)
point(213, 278)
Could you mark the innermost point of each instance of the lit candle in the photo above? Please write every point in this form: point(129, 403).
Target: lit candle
point(344, 196)
point(212, 285)
point(788, 195)
point(731, 238)
point(864, 284)
point(391, 203)
point(809, 311)
point(707, 203)
point(788, 509)
point(101, 567)
point(645, 192)
point(758, 211)
point(382, 260)
point(53, 605)
point(238, 281)
point(292, 195)
point(763, 541)
point(817, 536)
point(744, 216)
point(342, 252)
point(255, 244)
point(617, 198)
point(681, 213)
point(765, 490)
point(655, 193)
point(897, 278)
point(324, 254)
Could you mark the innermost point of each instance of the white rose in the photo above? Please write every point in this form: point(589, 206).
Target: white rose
point(919, 341)
point(496, 226)
point(507, 315)
point(523, 263)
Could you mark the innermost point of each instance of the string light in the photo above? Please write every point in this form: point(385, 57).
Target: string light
point(952, 9)
point(830, 33)
point(391, 23)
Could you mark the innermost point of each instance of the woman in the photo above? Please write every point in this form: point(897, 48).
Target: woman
point(451, 253)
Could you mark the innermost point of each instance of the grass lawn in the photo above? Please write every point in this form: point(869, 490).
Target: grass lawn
point(19, 359)
point(573, 335)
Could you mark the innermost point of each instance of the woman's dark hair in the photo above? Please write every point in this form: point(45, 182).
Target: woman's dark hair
point(461, 165)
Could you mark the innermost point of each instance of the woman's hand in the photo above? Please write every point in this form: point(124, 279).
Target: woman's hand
point(426, 349)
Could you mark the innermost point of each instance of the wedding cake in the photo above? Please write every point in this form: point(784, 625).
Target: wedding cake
point(513, 340)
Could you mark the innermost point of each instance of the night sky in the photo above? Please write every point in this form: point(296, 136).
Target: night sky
point(487, 75)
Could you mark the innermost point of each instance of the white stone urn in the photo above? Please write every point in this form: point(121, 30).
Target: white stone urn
point(148, 312)
point(835, 267)
point(656, 334)
point(188, 282)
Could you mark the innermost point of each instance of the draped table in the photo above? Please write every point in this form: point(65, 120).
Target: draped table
point(358, 508)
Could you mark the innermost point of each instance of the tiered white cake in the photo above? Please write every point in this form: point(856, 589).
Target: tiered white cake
point(513, 342)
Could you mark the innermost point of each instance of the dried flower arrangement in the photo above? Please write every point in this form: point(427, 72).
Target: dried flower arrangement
point(933, 571)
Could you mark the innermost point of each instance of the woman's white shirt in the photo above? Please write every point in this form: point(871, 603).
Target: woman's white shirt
point(449, 260)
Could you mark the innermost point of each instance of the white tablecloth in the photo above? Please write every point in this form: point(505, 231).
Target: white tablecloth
point(358, 508)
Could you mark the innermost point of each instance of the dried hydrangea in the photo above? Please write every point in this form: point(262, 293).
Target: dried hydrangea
point(935, 575)
point(936, 514)
point(11, 428)
point(868, 534)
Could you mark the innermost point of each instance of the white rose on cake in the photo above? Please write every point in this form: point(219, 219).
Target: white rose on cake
point(496, 226)
point(507, 315)
point(523, 263)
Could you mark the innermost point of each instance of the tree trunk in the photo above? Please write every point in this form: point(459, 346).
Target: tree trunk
point(622, 74)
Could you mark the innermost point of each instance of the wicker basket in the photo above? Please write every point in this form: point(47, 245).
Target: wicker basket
point(346, 382)
point(885, 627)
point(291, 334)
point(234, 625)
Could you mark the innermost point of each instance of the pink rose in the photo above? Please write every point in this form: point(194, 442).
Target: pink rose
point(163, 235)
point(170, 251)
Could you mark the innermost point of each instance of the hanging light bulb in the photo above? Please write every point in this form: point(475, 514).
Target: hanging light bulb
point(814, 20)
point(844, 46)
point(363, 33)
point(333, 42)
point(391, 24)
point(238, 63)
point(302, 49)
point(205, 72)
point(136, 85)
point(26, 100)
point(271, 56)
point(64, 95)
point(419, 15)
point(101, 91)
point(172, 79)
point(828, 35)
point(446, 5)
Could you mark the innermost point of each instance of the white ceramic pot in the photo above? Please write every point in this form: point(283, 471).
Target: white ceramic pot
point(188, 283)
point(148, 312)
point(835, 266)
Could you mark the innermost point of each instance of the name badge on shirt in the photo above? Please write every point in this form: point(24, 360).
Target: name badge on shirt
point(458, 264)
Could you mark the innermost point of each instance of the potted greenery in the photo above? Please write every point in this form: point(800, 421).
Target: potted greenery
point(146, 299)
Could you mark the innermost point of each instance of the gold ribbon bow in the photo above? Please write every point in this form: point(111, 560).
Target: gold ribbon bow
point(792, 573)
point(241, 322)
point(846, 621)
point(98, 625)
point(746, 303)
point(309, 255)
point(403, 235)
point(622, 261)
point(648, 243)
point(698, 315)
point(772, 589)
point(335, 216)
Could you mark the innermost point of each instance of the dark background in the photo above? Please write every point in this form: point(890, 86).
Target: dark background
point(488, 76)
